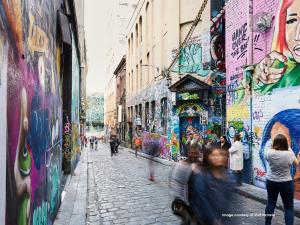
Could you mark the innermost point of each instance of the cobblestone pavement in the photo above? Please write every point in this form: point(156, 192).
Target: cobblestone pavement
point(119, 193)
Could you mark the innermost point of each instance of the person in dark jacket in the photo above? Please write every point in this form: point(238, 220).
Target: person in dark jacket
point(113, 143)
point(223, 143)
point(207, 201)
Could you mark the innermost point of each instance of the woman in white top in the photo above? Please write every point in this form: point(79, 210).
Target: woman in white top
point(279, 180)
point(236, 158)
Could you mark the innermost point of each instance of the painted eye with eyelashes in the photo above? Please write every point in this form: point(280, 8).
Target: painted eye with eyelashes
point(291, 21)
point(293, 18)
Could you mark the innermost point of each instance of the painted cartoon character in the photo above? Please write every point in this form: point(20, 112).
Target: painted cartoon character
point(281, 67)
point(22, 166)
point(286, 122)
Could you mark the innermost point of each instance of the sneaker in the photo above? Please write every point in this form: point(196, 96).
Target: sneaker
point(151, 178)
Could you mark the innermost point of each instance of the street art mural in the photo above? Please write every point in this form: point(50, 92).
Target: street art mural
point(34, 106)
point(238, 113)
point(272, 106)
point(280, 66)
point(276, 84)
point(217, 33)
point(75, 106)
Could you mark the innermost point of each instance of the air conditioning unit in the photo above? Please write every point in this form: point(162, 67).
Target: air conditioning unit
point(263, 22)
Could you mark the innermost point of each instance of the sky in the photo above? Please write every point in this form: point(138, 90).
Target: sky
point(97, 13)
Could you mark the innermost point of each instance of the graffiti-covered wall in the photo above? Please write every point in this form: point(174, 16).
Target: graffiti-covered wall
point(237, 95)
point(29, 59)
point(274, 107)
point(155, 93)
point(75, 106)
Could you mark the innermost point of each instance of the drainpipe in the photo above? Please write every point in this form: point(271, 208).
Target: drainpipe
point(249, 73)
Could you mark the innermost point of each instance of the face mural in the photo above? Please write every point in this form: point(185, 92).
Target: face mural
point(280, 68)
point(286, 122)
point(34, 117)
point(276, 106)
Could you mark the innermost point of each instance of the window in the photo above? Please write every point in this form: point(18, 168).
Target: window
point(148, 69)
point(141, 74)
point(152, 124)
point(136, 36)
point(129, 47)
point(147, 116)
point(137, 78)
point(129, 79)
point(141, 29)
point(128, 113)
point(164, 114)
point(132, 78)
point(131, 43)
point(147, 25)
point(140, 111)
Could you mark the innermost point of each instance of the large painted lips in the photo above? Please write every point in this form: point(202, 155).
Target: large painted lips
point(297, 50)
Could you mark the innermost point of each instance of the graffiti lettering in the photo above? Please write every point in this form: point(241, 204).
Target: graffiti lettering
point(257, 115)
point(240, 42)
point(37, 39)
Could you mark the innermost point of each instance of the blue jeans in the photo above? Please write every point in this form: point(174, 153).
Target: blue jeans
point(286, 190)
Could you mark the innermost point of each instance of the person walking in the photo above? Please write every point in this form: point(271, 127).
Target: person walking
point(117, 144)
point(279, 180)
point(92, 142)
point(137, 144)
point(112, 143)
point(96, 143)
point(236, 158)
point(211, 194)
point(154, 151)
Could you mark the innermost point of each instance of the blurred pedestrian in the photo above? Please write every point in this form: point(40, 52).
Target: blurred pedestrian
point(85, 141)
point(225, 145)
point(137, 145)
point(279, 179)
point(236, 158)
point(179, 180)
point(92, 142)
point(96, 143)
point(211, 193)
point(112, 143)
point(153, 151)
point(117, 144)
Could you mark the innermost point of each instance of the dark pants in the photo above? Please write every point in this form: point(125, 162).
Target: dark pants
point(286, 190)
point(112, 150)
point(151, 166)
point(238, 176)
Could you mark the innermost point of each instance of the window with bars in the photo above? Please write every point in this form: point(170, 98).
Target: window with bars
point(147, 116)
point(152, 120)
point(164, 114)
